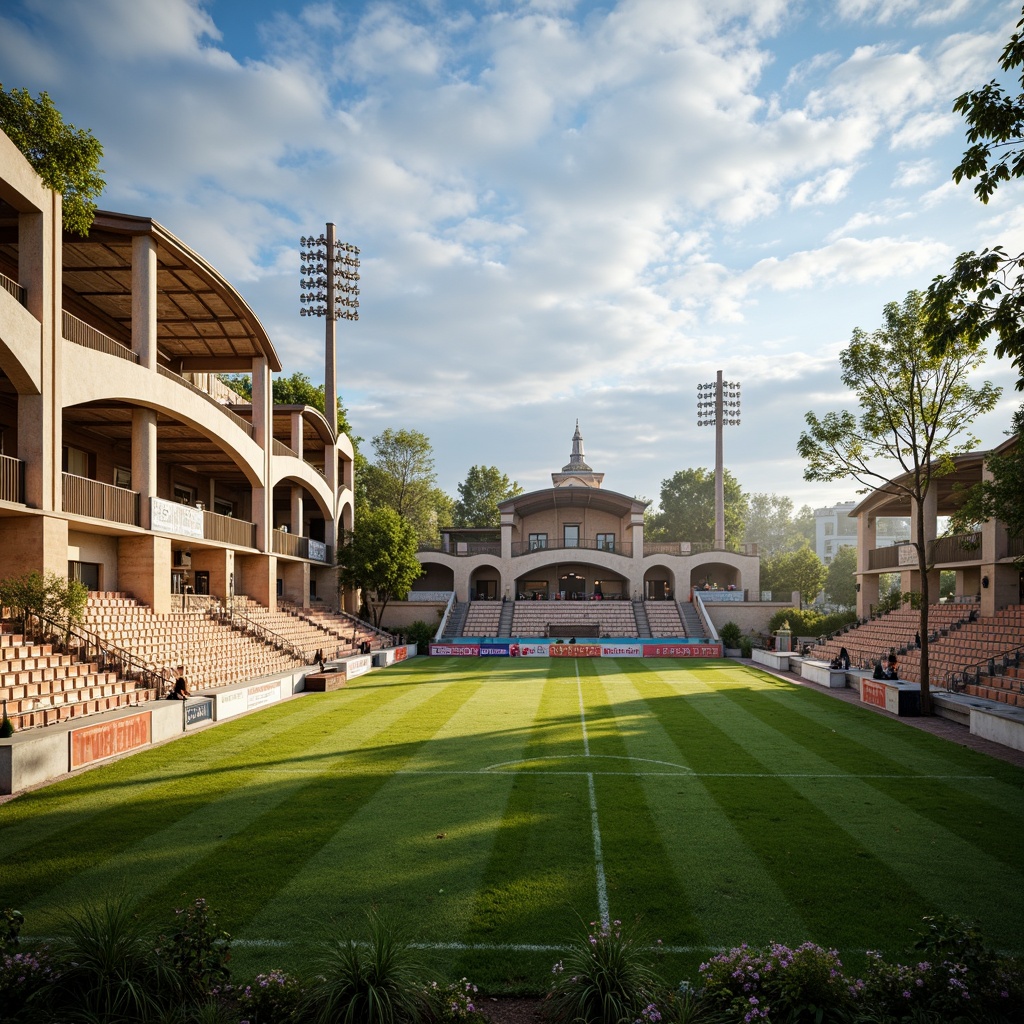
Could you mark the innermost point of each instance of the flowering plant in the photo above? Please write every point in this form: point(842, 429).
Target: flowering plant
point(271, 998)
point(22, 975)
point(454, 1002)
point(777, 983)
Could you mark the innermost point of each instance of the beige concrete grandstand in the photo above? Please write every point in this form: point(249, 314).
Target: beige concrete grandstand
point(125, 460)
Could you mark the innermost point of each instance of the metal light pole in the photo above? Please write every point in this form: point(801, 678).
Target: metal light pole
point(718, 405)
point(330, 288)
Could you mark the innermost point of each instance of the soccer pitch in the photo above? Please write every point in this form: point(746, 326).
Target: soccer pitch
point(490, 806)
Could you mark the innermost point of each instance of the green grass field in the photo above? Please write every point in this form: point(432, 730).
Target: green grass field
point(489, 806)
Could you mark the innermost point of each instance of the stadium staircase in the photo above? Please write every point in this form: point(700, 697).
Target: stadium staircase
point(455, 626)
point(643, 625)
point(508, 611)
point(692, 625)
point(39, 686)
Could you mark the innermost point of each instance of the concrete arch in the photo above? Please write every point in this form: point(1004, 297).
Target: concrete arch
point(549, 558)
point(90, 376)
point(661, 582)
point(310, 481)
point(486, 581)
point(435, 577)
point(20, 348)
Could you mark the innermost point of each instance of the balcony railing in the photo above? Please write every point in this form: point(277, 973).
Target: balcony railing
point(884, 558)
point(234, 417)
point(962, 547)
point(12, 479)
point(301, 547)
point(1015, 547)
point(85, 497)
point(81, 333)
point(229, 530)
point(617, 547)
point(280, 448)
point(12, 286)
point(463, 547)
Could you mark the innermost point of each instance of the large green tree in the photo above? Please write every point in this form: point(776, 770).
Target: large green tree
point(916, 409)
point(800, 570)
point(479, 495)
point(772, 526)
point(379, 558)
point(984, 292)
point(841, 584)
point(401, 476)
point(66, 158)
point(687, 508)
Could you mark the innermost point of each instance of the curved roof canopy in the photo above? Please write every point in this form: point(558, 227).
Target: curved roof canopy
point(203, 324)
point(572, 497)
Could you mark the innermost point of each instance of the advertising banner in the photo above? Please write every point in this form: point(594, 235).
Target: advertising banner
point(621, 650)
point(455, 650)
point(357, 666)
point(197, 712)
point(682, 650)
point(529, 650)
point(494, 650)
point(96, 742)
point(263, 694)
point(401, 653)
point(171, 517)
point(574, 650)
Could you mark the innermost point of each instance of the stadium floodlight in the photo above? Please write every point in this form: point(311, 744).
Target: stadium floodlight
point(718, 406)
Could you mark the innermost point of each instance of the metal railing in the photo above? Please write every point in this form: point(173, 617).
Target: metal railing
point(297, 546)
point(971, 675)
point(240, 621)
point(616, 547)
point(10, 285)
point(84, 497)
point(109, 657)
point(462, 548)
point(81, 333)
point(884, 558)
point(195, 389)
point(12, 479)
point(962, 547)
point(228, 529)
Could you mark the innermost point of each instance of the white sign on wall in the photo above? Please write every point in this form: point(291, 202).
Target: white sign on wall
point(317, 550)
point(172, 517)
point(908, 554)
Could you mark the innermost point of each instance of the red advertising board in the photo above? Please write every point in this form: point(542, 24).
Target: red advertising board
point(682, 650)
point(96, 742)
point(401, 653)
point(872, 693)
point(574, 650)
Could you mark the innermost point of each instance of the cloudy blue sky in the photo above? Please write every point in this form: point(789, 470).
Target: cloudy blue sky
point(566, 209)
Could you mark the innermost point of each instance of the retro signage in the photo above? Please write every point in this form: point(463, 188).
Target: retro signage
point(172, 517)
point(682, 650)
point(494, 650)
point(873, 693)
point(574, 650)
point(455, 650)
point(261, 695)
point(197, 712)
point(107, 739)
point(620, 650)
point(357, 666)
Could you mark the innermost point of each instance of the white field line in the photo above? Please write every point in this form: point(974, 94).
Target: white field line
point(487, 947)
point(595, 827)
point(687, 774)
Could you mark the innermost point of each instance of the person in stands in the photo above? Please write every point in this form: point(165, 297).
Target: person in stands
point(180, 691)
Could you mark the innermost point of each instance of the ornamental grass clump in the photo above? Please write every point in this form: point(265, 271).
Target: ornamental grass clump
point(607, 979)
point(375, 982)
point(778, 985)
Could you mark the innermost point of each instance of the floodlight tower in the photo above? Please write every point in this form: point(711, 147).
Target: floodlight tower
point(330, 288)
point(718, 406)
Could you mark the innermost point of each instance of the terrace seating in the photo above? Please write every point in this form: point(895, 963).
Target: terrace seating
point(303, 634)
point(663, 618)
point(615, 618)
point(344, 633)
point(958, 646)
point(43, 688)
point(482, 618)
point(211, 652)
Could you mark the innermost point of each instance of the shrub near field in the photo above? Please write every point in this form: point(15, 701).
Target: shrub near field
point(468, 800)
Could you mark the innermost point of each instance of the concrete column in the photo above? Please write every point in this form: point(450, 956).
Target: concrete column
point(636, 529)
point(296, 510)
point(256, 577)
point(867, 584)
point(262, 421)
point(144, 340)
point(144, 462)
point(34, 544)
point(295, 576)
point(297, 437)
point(144, 570)
point(332, 529)
point(507, 521)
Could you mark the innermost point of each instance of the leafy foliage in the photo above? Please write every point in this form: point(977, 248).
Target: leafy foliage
point(772, 525)
point(730, 635)
point(420, 633)
point(271, 998)
point(800, 570)
point(841, 584)
point(809, 622)
point(687, 508)
point(50, 595)
point(66, 158)
point(479, 495)
point(916, 408)
point(379, 557)
point(606, 979)
point(197, 949)
point(984, 292)
point(454, 1002)
point(374, 982)
point(402, 478)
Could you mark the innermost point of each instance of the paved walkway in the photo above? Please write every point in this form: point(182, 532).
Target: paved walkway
point(952, 731)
